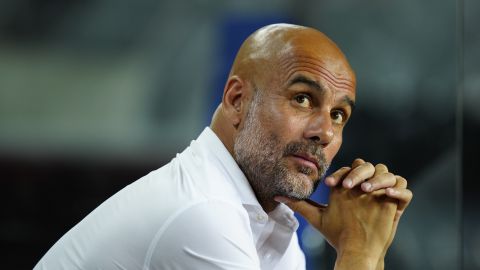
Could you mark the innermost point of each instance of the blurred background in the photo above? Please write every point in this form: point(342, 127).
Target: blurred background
point(95, 94)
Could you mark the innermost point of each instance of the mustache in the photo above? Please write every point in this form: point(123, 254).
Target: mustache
point(311, 148)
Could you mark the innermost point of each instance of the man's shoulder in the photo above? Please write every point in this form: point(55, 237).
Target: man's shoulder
point(191, 176)
point(154, 221)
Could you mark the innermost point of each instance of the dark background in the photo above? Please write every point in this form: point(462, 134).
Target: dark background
point(95, 94)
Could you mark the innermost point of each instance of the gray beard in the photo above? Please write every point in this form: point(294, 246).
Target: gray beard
point(259, 155)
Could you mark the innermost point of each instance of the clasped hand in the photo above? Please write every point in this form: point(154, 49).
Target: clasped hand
point(366, 203)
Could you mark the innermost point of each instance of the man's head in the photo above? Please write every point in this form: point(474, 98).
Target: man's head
point(285, 103)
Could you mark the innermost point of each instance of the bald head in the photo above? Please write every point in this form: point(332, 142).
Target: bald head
point(273, 44)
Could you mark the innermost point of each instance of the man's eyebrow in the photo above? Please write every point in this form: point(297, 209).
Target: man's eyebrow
point(349, 101)
point(305, 80)
point(314, 84)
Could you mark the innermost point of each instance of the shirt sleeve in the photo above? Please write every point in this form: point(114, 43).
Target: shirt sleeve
point(207, 235)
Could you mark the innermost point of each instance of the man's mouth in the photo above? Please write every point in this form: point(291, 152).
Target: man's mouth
point(308, 160)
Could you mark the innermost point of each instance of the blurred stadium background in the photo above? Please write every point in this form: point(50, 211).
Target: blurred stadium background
point(95, 94)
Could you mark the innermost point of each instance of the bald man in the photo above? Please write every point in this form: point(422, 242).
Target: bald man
point(226, 201)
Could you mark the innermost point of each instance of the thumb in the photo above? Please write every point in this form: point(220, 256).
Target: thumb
point(310, 210)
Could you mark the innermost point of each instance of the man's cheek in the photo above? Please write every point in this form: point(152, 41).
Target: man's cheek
point(332, 149)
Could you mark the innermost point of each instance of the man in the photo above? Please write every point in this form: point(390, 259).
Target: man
point(222, 203)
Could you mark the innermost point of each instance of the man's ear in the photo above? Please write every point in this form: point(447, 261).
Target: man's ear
point(235, 99)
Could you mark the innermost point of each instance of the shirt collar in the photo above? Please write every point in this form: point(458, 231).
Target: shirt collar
point(211, 144)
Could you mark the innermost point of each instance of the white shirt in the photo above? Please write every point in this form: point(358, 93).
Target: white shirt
point(196, 212)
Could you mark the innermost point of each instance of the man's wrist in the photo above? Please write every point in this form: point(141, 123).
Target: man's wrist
point(358, 261)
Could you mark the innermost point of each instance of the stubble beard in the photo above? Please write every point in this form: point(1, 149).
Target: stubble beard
point(261, 157)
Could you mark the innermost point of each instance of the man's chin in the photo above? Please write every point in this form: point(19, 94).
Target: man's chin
point(309, 180)
point(302, 190)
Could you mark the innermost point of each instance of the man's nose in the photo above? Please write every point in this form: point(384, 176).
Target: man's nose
point(320, 129)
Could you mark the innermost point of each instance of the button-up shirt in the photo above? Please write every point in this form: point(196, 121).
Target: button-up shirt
point(197, 212)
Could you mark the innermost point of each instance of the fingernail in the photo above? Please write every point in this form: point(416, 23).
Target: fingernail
point(348, 183)
point(329, 180)
point(367, 186)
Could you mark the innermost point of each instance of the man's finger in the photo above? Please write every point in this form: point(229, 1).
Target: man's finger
point(401, 182)
point(359, 174)
point(357, 162)
point(404, 196)
point(380, 169)
point(333, 179)
point(379, 181)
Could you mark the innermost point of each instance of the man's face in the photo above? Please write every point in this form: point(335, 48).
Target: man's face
point(293, 127)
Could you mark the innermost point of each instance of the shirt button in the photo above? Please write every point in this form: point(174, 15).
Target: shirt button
point(260, 217)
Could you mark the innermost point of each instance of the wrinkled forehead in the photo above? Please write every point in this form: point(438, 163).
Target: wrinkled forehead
point(318, 46)
point(326, 63)
point(274, 53)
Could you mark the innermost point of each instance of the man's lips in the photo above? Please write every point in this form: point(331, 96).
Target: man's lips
point(308, 159)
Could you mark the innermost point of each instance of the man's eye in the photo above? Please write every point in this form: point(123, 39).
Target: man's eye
point(303, 100)
point(338, 117)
